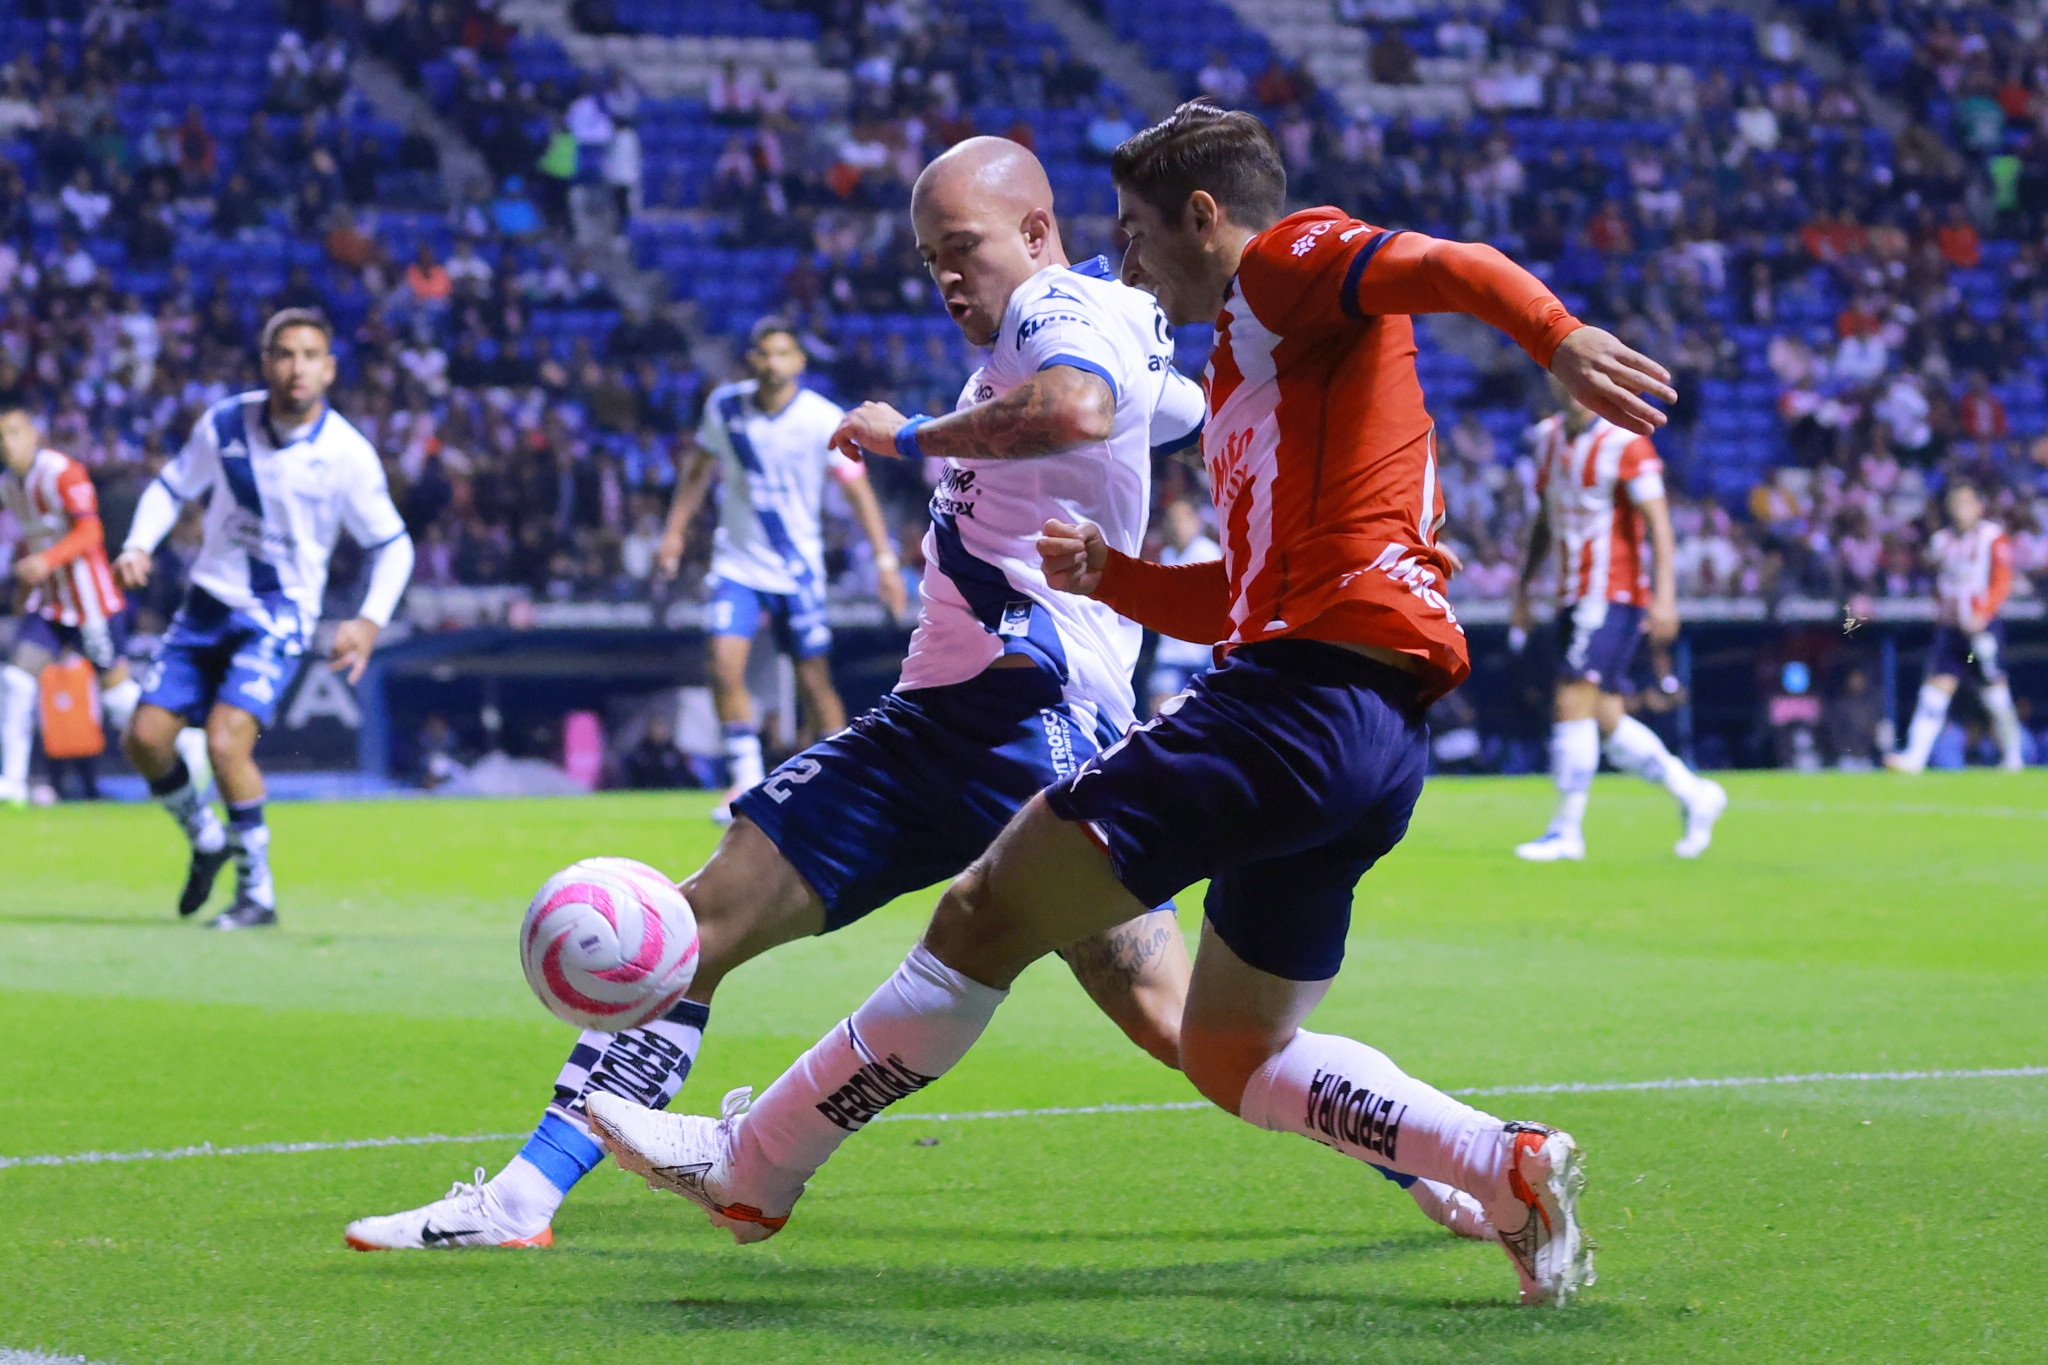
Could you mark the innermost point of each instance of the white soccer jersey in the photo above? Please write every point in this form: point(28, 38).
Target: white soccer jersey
point(772, 472)
point(1187, 653)
point(278, 504)
point(984, 592)
point(1973, 571)
point(1593, 486)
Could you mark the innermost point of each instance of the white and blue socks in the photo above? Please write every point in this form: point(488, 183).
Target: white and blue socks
point(1635, 748)
point(646, 1065)
point(179, 795)
point(1574, 758)
point(252, 853)
point(742, 755)
point(18, 691)
point(1930, 714)
point(117, 703)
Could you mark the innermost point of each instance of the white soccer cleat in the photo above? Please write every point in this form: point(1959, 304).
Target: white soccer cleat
point(14, 795)
point(1554, 847)
point(689, 1155)
point(1899, 763)
point(1454, 1210)
point(466, 1217)
point(1700, 814)
point(1546, 1172)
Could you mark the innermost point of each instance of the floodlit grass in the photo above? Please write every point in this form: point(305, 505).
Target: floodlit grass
point(1839, 924)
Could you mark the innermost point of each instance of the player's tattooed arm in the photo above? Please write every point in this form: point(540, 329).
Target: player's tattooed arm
point(1055, 410)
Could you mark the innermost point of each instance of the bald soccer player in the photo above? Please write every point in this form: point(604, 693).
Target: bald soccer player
point(1009, 685)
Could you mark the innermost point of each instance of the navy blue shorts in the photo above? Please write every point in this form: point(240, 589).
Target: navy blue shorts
point(799, 624)
point(1979, 657)
point(105, 643)
point(1597, 642)
point(213, 653)
point(918, 788)
point(1281, 777)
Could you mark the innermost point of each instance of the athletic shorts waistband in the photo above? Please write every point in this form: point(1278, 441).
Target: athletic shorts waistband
point(1330, 665)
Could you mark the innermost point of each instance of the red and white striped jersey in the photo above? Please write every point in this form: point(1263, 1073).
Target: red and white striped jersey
point(1973, 571)
point(1320, 450)
point(60, 520)
point(1593, 487)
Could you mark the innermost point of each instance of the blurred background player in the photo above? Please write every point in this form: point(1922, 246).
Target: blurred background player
point(73, 602)
point(1176, 662)
point(1009, 685)
point(1972, 560)
point(288, 474)
point(767, 438)
point(1602, 486)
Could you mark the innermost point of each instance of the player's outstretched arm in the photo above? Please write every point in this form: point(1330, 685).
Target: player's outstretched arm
point(682, 510)
point(867, 510)
point(1055, 410)
point(1186, 601)
point(1532, 563)
point(1664, 588)
point(390, 570)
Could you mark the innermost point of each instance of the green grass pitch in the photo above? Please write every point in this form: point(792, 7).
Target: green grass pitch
point(1839, 924)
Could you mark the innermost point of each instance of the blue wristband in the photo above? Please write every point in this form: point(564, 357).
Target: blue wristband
point(906, 438)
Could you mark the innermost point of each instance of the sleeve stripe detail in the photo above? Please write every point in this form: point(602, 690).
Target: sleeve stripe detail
point(402, 534)
point(1076, 362)
point(1347, 297)
point(171, 490)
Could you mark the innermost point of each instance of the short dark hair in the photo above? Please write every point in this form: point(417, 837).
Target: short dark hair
point(769, 326)
point(1201, 146)
point(295, 317)
point(16, 400)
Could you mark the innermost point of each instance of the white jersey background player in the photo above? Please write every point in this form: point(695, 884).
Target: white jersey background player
point(1008, 686)
point(768, 440)
point(288, 475)
point(1176, 662)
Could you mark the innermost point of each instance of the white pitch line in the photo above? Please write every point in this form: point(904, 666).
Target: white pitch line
point(1887, 808)
point(1063, 1111)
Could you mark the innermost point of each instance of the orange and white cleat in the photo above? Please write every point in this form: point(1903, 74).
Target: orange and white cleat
point(689, 1155)
point(1546, 1172)
point(467, 1216)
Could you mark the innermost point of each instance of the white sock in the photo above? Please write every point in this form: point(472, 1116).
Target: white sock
point(911, 1031)
point(1997, 699)
point(1345, 1095)
point(194, 816)
point(1574, 758)
point(117, 703)
point(743, 755)
point(1930, 713)
point(1635, 748)
point(252, 854)
point(526, 1199)
point(191, 746)
point(18, 691)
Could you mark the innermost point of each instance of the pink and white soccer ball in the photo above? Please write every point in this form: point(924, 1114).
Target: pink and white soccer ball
point(609, 944)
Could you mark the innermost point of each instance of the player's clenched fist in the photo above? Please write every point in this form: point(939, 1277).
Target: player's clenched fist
point(869, 429)
point(1074, 556)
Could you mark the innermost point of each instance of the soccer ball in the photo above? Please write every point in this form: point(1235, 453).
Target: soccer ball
point(609, 944)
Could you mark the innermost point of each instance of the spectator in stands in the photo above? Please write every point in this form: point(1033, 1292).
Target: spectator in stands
point(655, 763)
point(512, 213)
point(427, 282)
point(197, 152)
point(1221, 81)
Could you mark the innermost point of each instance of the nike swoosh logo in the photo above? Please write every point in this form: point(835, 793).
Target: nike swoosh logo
point(430, 1236)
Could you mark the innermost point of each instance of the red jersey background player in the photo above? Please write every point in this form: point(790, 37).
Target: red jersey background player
point(1280, 776)
point(1602, 488)
point(1972, 560)
point(71, 601)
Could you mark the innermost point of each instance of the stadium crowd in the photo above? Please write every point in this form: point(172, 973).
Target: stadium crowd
point(1853, 303)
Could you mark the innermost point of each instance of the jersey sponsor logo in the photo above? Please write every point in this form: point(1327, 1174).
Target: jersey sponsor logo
point(982, 393)
point(1347, 236)
point(1407, 569)
point(1031, 327)
point(1058, 743)
point(1307, 241)
point(874, 1087)
point(951, 498)
point(1227, 472)
point(1354, 1115)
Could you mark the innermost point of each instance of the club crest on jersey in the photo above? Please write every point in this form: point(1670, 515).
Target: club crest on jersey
point(1016, 622)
